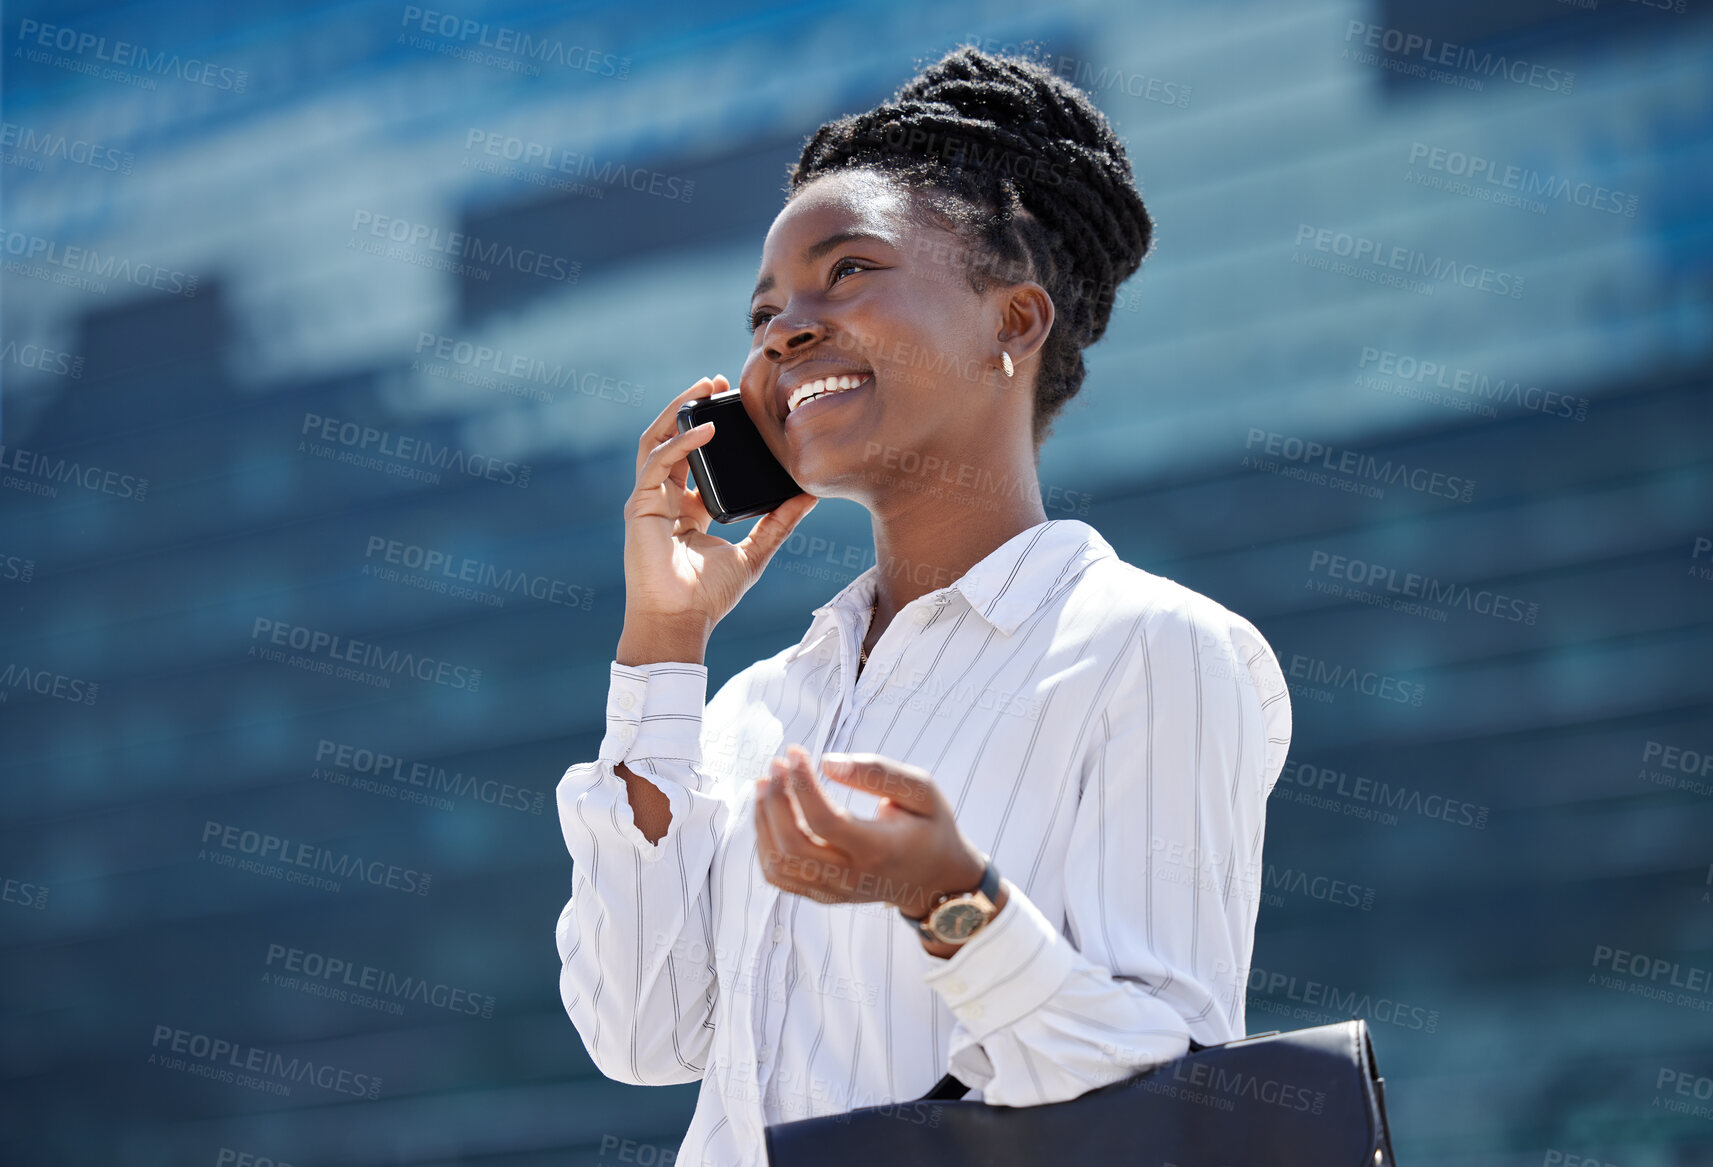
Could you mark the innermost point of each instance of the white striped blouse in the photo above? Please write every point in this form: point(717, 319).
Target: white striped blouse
point(1108, 736)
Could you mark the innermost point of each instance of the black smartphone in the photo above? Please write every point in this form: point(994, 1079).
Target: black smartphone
point(736, 473)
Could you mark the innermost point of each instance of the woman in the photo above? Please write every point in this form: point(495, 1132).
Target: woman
point(1066, 755)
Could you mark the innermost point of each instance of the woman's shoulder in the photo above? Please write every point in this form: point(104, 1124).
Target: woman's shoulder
point(742, 686)
point(1171, 616)
point(1134, 597)
point(1180, 628)
point(767, 681)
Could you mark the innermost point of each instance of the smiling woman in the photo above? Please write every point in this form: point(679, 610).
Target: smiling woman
point(842, 811)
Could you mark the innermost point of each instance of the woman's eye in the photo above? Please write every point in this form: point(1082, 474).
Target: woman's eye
point(761, 316)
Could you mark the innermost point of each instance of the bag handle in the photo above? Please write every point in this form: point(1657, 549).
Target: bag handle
point(947, 1089)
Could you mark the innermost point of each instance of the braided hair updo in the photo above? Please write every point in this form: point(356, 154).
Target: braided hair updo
point(1027, 171)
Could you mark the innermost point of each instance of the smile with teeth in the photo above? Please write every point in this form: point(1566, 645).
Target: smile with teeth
point(825, 385)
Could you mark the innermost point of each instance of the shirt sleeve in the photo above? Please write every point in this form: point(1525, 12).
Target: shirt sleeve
point(636, 940)
point(1161, 879)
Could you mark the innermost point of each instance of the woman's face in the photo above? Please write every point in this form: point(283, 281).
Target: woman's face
point(890, 305)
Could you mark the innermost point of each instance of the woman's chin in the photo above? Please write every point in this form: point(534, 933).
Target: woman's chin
point(840, 469)
point(820, 486)
point(819, 474)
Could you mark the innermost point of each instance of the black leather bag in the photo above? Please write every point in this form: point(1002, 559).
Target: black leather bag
point(1308, 1098)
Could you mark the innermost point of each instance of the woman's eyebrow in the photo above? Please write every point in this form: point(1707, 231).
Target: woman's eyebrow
point(816, 250)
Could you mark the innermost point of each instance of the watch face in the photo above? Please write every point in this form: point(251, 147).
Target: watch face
point(955, 921)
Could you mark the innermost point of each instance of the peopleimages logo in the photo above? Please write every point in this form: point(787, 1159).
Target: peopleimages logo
point(439, 567)
point(1640, 975)
point(465, 361)
point(1357, 469)
point(358, 440)
point(524, 53)
point(1333, 675)
point(16, 567)
point(361, 653)
point(1416, 51)
point(344, 760)
point(1397, 257)
point(24, 894)
point(45, 360)
point(1410, 585)
point(964, 150)
point(224, 1056)
point(1234, 1083)
point(1472, 384)
point(1320, 995)
point(960, 698)
point(1677, 758)
point(31, 250)
point(306, 857)
point(526, 261)
point(27, 145)
point(1524, 182)
point(1325, 888)
point(117, 55)
point(339, 979)
point(66, 470)
point(558, 160)
point(233, 1157)
point(1688, 1084)
point(46, 684)
point(1359, 796)
point(1697, 570)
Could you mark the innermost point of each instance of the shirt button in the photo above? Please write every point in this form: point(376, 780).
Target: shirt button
point(973, 1009)
point(761, 1054)
point(626, 700)
point(778, 933)
point(923, 615)
point(955, 986)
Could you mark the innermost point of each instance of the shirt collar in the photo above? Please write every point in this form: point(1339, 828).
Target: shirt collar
point(1005, 587)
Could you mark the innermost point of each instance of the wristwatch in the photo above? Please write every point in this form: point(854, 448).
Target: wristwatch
point(954, 917)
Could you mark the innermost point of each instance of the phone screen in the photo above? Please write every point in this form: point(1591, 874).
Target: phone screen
point(736, 473)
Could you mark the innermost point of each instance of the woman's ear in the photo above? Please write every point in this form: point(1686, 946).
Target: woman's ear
point(1025, 321)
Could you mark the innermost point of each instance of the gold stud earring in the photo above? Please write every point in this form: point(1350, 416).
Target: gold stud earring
point(1007, 359)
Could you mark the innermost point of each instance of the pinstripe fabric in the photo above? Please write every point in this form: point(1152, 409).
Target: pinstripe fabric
point(1107, 735)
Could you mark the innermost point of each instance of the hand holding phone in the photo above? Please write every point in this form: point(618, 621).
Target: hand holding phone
point(680, 581)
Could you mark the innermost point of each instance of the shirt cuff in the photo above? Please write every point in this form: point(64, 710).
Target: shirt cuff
point(655, 711)
point(1006, 971)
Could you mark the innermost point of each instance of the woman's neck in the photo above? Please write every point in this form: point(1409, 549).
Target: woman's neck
point(932, 545)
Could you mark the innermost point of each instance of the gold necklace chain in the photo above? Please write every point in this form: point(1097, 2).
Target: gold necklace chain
point(873, 611)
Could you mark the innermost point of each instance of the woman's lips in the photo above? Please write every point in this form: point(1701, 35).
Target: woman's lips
point(825, 403)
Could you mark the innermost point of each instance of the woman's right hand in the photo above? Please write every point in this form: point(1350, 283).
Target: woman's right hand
point(678, 578)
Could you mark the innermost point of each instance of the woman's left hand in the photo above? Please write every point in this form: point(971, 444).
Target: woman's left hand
point(907, 854)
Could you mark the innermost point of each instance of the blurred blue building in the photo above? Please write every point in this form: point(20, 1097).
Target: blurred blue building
point(326, 335)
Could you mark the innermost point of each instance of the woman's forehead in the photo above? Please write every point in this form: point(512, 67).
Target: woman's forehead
point(845, 199)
